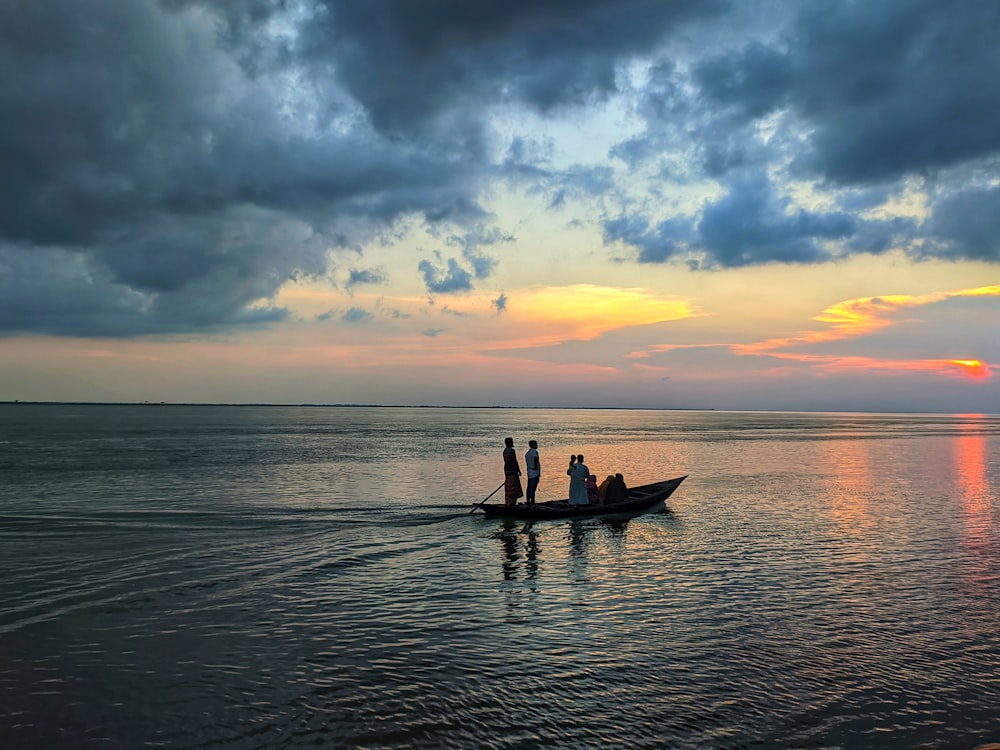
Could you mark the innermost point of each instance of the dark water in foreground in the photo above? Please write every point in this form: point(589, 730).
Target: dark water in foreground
point(270, 577)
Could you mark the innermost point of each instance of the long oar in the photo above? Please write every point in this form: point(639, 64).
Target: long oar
point(487, 497)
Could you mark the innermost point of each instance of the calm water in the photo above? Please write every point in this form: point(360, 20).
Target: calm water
point(270, 577)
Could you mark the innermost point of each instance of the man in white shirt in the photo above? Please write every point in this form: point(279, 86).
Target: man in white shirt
point(534, 467)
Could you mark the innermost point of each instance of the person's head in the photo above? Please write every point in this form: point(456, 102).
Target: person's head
point(619, 476)
point(532, 443)
point(509, 442)
point(579, 458)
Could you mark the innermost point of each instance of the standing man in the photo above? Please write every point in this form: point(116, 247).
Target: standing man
point(511, 474)
point(534, 468)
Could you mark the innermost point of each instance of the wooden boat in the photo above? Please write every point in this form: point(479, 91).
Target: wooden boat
point(642, 499)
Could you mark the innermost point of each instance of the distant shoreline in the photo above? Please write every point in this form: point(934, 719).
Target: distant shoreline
point(342, 406)
point(473, 406)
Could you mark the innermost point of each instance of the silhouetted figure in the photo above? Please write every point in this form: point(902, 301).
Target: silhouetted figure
point(533, 466)
point(511, 474)
point(616, 492)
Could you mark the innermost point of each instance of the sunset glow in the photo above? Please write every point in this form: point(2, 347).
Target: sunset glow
point(973, 368)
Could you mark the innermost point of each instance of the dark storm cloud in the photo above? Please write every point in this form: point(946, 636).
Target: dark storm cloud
point(134, 143)
point(898, 87)
point(890, 88)
point(57, 292)
point(408, 60)
point(755, 80)
point(966, 225)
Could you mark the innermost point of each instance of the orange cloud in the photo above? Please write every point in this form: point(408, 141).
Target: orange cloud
point(973, 368)
point(550, 315)
point(586, 311)
point(858, 317)
point(849, 320)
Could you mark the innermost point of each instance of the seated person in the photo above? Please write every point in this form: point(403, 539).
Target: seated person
point(602, 488)
point(593, 493)
point(616, 492)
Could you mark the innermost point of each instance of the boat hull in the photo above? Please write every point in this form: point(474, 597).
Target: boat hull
point(642, 499)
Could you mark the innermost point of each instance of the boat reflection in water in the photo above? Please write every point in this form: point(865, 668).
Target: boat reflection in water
point(568, 544)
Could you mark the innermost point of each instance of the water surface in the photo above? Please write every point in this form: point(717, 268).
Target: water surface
point(268, 577)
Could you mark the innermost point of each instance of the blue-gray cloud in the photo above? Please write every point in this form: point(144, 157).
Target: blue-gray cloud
point(366, 276)
point(966, 225)
point(356, 315)
point(453, 278)
point(866, 96)
point(752, 225)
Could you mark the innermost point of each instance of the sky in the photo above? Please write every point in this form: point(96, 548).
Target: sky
point(677, 204)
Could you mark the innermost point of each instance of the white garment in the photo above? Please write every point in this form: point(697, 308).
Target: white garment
point(530, 454)
point(578, 474)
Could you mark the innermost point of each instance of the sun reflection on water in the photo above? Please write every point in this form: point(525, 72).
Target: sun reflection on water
point(976, 493)
point(850, 465)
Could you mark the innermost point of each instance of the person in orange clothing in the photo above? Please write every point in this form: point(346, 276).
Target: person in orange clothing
point(511, 474)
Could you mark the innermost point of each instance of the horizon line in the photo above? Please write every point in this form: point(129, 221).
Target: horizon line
point(18, 402)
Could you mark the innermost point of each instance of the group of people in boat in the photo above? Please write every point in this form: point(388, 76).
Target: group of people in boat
point(583, 486)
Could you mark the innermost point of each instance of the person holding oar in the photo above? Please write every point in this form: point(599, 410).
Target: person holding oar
point(511, 474)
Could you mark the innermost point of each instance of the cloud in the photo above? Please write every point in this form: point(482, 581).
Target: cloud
point(408, 61)
point(885, 90)
point(183, 160)
point(585, 312)
point(60, 292)
point(356, 315)
point(852, 98)
point(370, 276)
point(450, 280)
point(500, 304)
point(966, 225)
point(913, 89)
point(472, 243)
point(137, 141)
point(752, 224)
point(867, 316)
